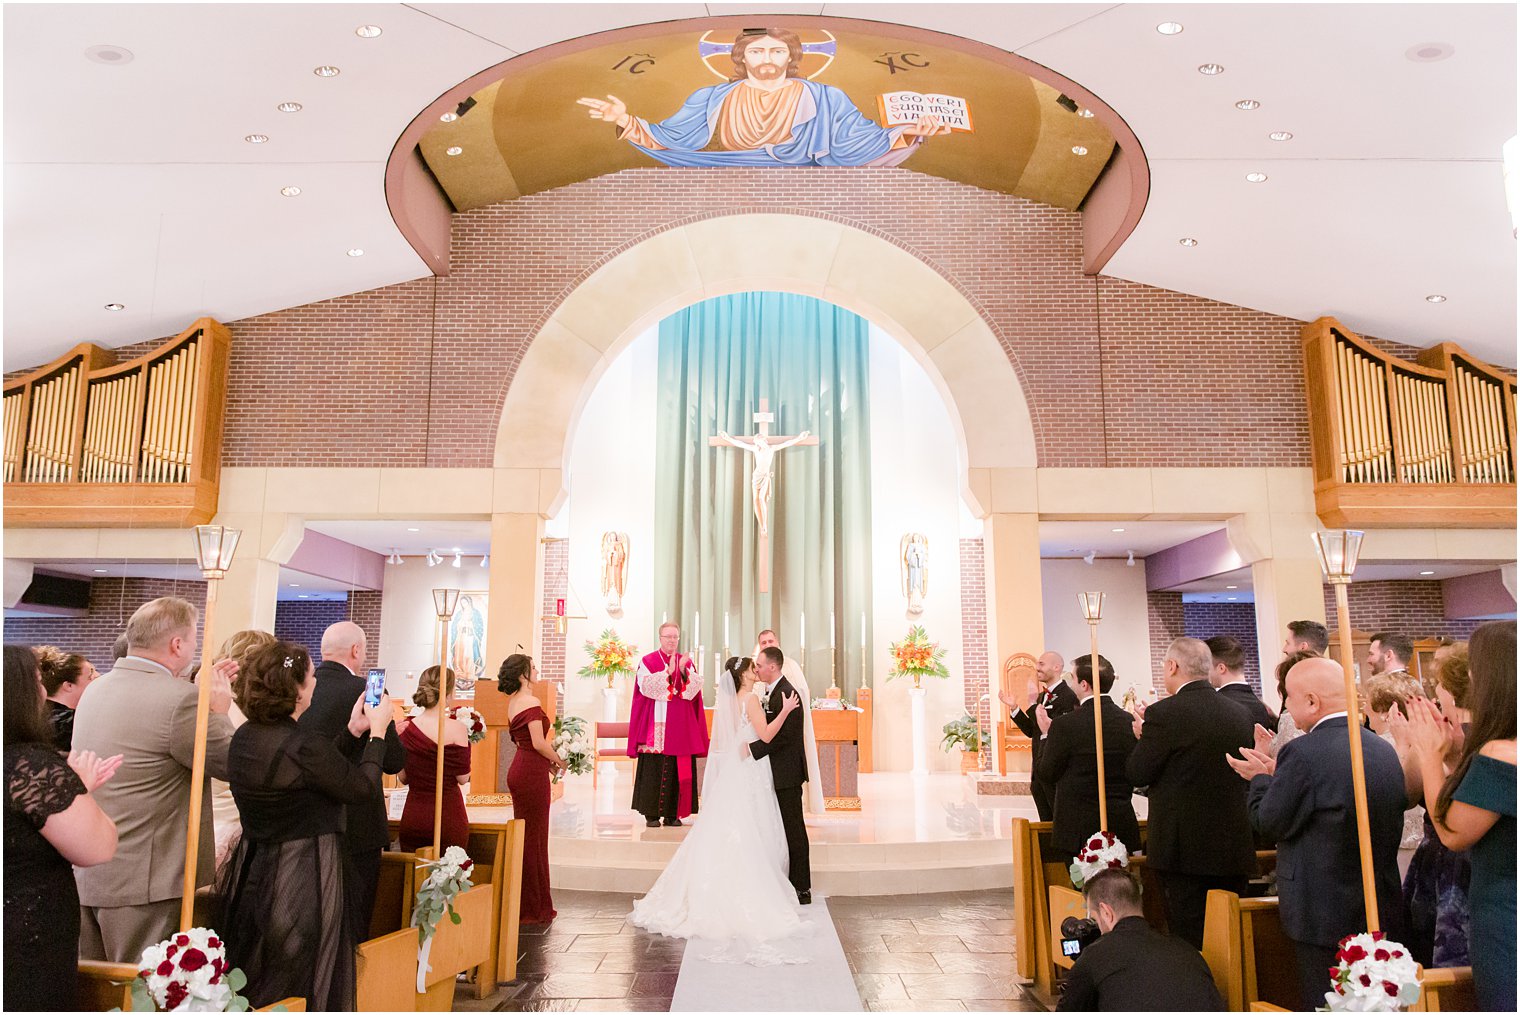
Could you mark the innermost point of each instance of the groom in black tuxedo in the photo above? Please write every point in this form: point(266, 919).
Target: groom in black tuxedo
point(788, 769)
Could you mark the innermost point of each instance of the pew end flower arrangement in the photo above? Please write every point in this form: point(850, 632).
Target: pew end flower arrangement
point(1102, 851)
point(570, 743)
point(474, 722)
point(1372, 973)
point(611, 657)
point(917, 657)
point(188, 971)
point(447, 877)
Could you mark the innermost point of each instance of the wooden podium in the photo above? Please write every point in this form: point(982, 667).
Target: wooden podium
point(844, 750)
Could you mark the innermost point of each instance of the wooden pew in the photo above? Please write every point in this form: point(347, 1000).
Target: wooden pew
point(386, 971)
point(1446, 990)
point(395, 893)
point(1250, 957)
point(104, 986)
point(457, 948)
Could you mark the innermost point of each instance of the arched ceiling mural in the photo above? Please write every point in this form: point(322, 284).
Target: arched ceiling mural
point(798, 96)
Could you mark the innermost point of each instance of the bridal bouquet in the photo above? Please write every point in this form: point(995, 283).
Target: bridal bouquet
point(1102, 851)
point(473, 721)
point(570, 744)
point(917, 657)
point(188, 972)
point(610, 657)
point(1372, 973)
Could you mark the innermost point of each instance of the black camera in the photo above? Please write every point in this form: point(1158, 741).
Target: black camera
point(1077, 934)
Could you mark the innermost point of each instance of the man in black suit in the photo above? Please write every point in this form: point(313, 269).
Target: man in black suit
point(1132, 967)
point(1070, 764)
point(1303, 801)
point(332, 703)
point(788, 769)
point(1229, 679)
point(1198, 832)
point(1048, 699)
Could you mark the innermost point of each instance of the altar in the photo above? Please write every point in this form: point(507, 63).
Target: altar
point(844, 750)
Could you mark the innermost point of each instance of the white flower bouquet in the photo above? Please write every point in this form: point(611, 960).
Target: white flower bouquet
point(1372, 973)
point(188, 971)
point(1102, 851)
point(473, 721)
point(570, 744)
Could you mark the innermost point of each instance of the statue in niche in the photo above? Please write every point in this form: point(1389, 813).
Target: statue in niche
point(614, 570)
point(915, 570)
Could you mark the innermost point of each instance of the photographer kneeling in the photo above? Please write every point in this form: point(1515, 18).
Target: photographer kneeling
point(1133, 967)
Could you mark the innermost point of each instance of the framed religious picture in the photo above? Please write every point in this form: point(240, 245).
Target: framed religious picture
point(467, 643)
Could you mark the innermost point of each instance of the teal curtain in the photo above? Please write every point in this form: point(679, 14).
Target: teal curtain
point(810, 360)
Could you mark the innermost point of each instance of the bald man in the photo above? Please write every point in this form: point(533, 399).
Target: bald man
point(1304, 802)
point(1050, 697)
point(339, 685)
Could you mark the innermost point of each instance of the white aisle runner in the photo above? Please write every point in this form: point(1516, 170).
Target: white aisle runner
point(824, 983)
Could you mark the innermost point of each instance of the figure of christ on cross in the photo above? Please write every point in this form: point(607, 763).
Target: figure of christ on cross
point(763, 445)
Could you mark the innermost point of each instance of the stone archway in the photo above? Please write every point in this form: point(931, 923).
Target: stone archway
point(814, 256)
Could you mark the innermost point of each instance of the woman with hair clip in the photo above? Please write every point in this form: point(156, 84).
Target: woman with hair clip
point(422, 769)
point(528, 781)
point(727, 883)
point(1474, 806)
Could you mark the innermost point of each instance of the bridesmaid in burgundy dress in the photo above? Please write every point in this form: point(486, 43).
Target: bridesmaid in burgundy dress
point(422, 769)
point(528, 781)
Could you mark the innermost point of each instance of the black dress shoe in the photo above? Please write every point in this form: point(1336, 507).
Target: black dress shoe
point(804, 898)
point(672, 822)
point(652, 823)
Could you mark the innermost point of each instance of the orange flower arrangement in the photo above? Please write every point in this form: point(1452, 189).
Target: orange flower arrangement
point(917, 657)
point(610, 657)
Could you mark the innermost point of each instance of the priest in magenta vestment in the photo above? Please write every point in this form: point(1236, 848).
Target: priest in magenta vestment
point(667, 732)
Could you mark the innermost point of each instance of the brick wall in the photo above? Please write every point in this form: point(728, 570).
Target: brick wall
point(1415, 608)
point(415, 393)
point(303, 621)
point(556, 585)
point(112, 603)
point(974, 634)
point(1238, 620)
point(1168, 621)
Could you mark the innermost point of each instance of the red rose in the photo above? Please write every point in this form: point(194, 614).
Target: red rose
point(1113, 863)
point(192, 960)
point(1377, 935)
point(1391, 988)
point(175, 994)
point(1095, 843)
point(169, 952)
point(467, 865)
point(213, 942)
point(1364, 980)
point(1355, 953)
point(216, 977)
point(1398, 954)
point(165, 968)
point(182, 939)
point(1381, 954)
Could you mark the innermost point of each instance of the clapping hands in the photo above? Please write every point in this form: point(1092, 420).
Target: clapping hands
point(1264, 738)
point(1426, 730)
point(92, 769)
point(1254, 763)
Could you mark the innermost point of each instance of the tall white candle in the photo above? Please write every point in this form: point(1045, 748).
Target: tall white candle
point(862, 630)
point(831, 630)
point(725, 629)
point(803, 637)
point(664, 616)
point(696, 630)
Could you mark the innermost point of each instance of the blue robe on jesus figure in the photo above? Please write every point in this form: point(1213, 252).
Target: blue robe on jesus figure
point(827, 130)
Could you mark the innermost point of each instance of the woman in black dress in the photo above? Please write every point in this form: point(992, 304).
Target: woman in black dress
point(51, 822)
point(285, 918)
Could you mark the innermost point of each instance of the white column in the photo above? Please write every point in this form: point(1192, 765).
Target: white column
point(609, 714)
point(916, 698)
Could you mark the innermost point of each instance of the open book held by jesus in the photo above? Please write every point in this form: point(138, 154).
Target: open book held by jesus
point(907, 106)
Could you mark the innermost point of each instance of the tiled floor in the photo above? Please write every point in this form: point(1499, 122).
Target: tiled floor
point(947, 952)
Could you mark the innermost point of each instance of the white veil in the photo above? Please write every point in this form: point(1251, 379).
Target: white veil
point(723, 745)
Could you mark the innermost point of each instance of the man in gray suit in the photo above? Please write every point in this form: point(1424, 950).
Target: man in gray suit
point(143, 711)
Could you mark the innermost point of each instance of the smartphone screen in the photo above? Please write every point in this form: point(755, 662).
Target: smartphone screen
point(374, 687)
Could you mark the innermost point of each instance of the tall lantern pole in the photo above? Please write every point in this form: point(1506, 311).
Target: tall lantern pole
point(1338, 551)
point(444, 601)
point(214, 547)
point(1092, 612)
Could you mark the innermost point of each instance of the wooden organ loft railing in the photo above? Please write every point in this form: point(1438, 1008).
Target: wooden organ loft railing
point(90, 442)
point(1428, 444)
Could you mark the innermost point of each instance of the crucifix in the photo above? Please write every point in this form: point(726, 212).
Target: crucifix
point(763, 445)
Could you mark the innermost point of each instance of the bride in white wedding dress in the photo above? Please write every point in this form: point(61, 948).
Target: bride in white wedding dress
point(728, 882)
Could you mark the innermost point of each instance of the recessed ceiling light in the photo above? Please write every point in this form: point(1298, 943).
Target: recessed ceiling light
point(1188, 241)
point(1232, 587)
point(291, 191)
point(1211, 68)
point(1169, 28)
point(449, 117)
point(111, 55)
point(454, 150)
point(1248, 104)
point(1435, 298)
point(368, 31)
point(1256, 177)
point(101, 570)
point(289, 107)
point(1281, 135)
point(114, 307)
point(1427, 572)
point(302, 595)
point(1116, 530)
point(413, 529)
point(1078, 150)
point(1429, 52)
point(1086, 114)
point(295, 585)
point(327, 70)
point(1231, 599)
point(355, 252)
point(256, 138)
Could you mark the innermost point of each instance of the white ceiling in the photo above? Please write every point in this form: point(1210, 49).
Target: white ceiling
point(1075, 539)
point(132, 183)
point(469, 537)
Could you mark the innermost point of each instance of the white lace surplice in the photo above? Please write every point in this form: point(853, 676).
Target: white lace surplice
point(727, 883)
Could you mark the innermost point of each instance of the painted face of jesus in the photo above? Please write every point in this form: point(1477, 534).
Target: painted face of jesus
point(670, 639)
point(766, 58)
